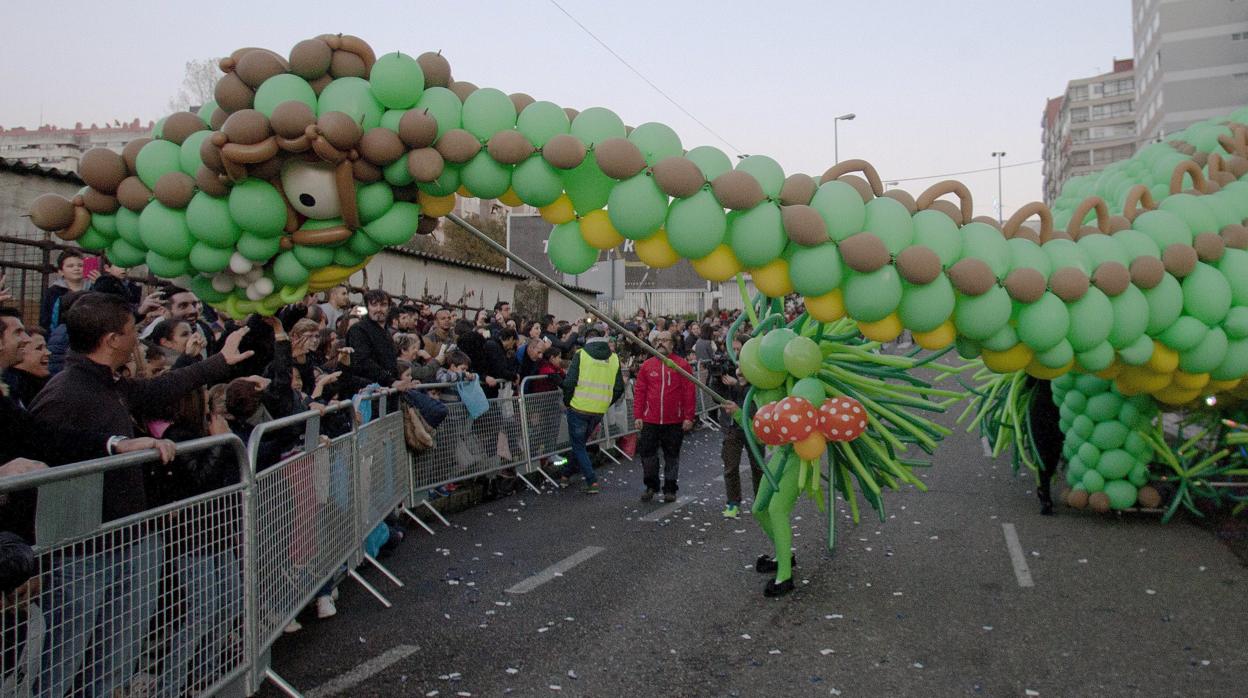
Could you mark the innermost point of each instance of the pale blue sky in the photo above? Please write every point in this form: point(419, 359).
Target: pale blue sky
point(936, 86)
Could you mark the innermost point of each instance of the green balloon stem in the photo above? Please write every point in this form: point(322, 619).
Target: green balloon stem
point(745, 300)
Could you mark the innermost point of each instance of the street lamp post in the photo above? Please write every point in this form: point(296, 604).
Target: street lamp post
point(836, 145)
point(1000, 204)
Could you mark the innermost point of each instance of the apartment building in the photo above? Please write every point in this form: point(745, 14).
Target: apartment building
point(1089, 127)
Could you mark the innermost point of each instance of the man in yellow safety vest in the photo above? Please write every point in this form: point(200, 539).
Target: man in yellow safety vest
point(592, 385)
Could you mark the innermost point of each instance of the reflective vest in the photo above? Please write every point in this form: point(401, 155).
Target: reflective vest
point(595, 383)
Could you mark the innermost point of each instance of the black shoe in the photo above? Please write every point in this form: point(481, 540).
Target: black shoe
point(773, 589)
point(766, 564)
point(647, 495)
point(669, 496)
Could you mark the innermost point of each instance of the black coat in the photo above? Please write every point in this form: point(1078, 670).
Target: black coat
point(375, 358)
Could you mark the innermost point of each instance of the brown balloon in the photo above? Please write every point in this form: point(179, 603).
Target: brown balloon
point(418, 128)
point(972, 277)
point(258, 65)
point(1099, 501)
point(1118, 223)
point(381, 146)
point(1191, 169)
point(918, 264)
point(1148, 497)
point(344, 180)
point(949, 186)
point(181, 124)
point(1238, 166)
point(427, 225)
point(309, 59)
point(366, 171)
point(344, 64)
point(804, 225)
point(904, 198)
point(425, 164)
point(102, 169)
point(270, 169)
point(51, 212)
point(1092, 203)
point(78, 227)
point(677, 176)
point(134, 194)
point(208, 182)
point(321, 83)
point(737, 190)
point(1069, 283)
point(1209, 247)
point(798, 189)
point(572, 113)
point(217, 119)
point(1112, 278)
point(948, 208)
point(988, 220)
point(855, 165)
point(98, 202)
point(1077, 498)
point(232, 94)
point(246, 126)
point(210, 156)
point(564, 151)
point(1147, 272)
point(520, 100)
point(291, 118)
point(864, 252)
point(1025, 285)
point(174, 189)
point(237, 153)
point(359, 47)
point(1235, 235)
point(509, 147)
point(437, 69)
point(1025, 232)
point(1034, 208)
point(339, 129)
point(458, 146)
point(462, 88)
point(619, 158)
point(1179, 259)
point(860, 185)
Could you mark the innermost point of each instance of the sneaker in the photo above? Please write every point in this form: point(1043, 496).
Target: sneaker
point(732, 511)
point(325, 607)
point(648, 495)
point(593, 488)
point(766, 564)
point(669, 496)
point(294, 627)
point(773, 589)
point(563, 481)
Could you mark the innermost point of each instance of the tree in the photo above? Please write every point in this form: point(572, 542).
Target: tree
point(198, 83)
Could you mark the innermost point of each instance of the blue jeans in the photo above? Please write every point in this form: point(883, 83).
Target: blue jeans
point(580, 426)
point(434, 411)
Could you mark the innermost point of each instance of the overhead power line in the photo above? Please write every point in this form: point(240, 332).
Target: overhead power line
point(965, 172)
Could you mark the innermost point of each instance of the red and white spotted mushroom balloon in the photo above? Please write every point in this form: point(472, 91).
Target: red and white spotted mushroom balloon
point(841, 419)
point(796, 419)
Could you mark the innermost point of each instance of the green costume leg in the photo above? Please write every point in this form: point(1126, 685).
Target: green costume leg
point(775, 519)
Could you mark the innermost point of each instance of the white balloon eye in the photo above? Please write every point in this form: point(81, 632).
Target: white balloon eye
point(311, 190)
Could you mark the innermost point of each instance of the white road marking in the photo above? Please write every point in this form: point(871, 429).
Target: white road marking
point(1021, 570)
point(555, 570)
point(665, 511)
point(363, 672)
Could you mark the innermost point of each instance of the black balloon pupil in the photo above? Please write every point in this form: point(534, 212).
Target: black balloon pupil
point(307, 199)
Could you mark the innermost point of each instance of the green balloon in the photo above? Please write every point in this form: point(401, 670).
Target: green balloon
point(872, 297)
point(802, 358)
point(205, 112)
point(124, 254)
point(1091, 319)
point(128, 226)
point(568, 250)
point(587, 186)
point(1083, 426)
point(201, 286)
point(1093, 481)
point(752, 367)
point(362, 245)
point(444, 106)
point(656, 141)
point(391, 117)
point(841, 207)
point(763, 397)
point(967, 348)
point(980, 317)
point(158, 128)
point(1235, 325)
point(397, 80)
point(541, 121)
point(1138, 352)
point(1234, 364)
point(257, 248)
point(188, 157)
point(1206, 294)
point(1089, 454)
point(924, 308)
point(1207, 356)
point(637, 206)
point(1104, 406)
point(1041, 325)
point(92, 240)
point(1025, 254)
point(1165, 304)
point(1057, 357)
point(396, 226)
point(771, 350)
point(397, 174)
point(1065, 253)
point(1074, 471)
point(767, 172)
point(696, 225)
point(535, 181)
point(1234, 266)
point(486, 178)
point(815, 270)
point(1109, 435)
point(164, 230)
point(890, 221)
point(1130, 310)
point(105, 224)
point(1097, 358)
point(1163, 228)
point(596, 124)
point(1104, 248)
point(208, 218)
point(373, 200)
point(313, 257)
point(1122, 494)
point(1139, 475)
point(488, 111)
point(757, 236)
point(165, 267)
point(286, 87)
point(257, 207)
point(810, 390)
point(1076, 401)
point(446, 183)
point(937, 231)
point(1192, 212)
point(711, 160)
point(984, 242)
point(207, 259)
point(1115, 464)
point(157, 158)
point(1185, 334)
point(344, 257)
point(1003, 339)
point(288, 271)
point(354, 97)
point(1224, 210)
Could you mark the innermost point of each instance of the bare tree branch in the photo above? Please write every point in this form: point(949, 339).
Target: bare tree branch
point(198, 84)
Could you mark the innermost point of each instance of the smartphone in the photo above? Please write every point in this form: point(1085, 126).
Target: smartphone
point(89, 265)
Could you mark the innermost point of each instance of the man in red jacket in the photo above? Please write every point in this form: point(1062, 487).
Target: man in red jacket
point(663, 409)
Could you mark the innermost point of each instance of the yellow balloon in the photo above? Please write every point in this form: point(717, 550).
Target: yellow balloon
point(463, 191)
point(511, 198)
point(1039, 370)
point(1190, 381)
point(720, 265)
point(1141, 379)
point(1222, 386)
point(1016, 358)
point(1174, 395)
point(1111, 372)
point(561, 211)
point(435, 206)
point(1164, 359)
point(328, 277)
point(773, 278)
point(656, 252)
point(811, 447)
point(597, 230)
point(884, 330)
point(938, 338)
point(829, 307)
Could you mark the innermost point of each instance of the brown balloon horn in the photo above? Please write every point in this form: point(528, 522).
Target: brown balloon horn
point(856, 165)
point(949, 186)
point(1219, 170)
point(1081, 211)
point(250, 154)
point(1139, 195)
point(78, 228)
point(1035, 208)
point(1188, 167)
point(344, 178)
point(292, 217)
point(294, 145)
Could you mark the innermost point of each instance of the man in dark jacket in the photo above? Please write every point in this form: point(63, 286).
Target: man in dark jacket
point(500, 362)
point(375, 358)
point(584, 393)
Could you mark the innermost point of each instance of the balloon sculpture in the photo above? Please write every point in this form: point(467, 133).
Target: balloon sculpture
point(308, 164)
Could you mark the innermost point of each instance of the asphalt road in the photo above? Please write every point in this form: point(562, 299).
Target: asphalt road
point(930, 602)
